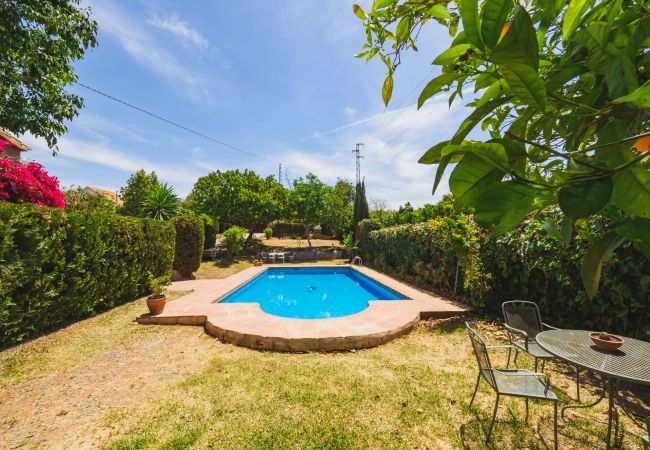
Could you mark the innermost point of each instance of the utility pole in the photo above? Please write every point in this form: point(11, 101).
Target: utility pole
point(359, 158)
point(280, 173)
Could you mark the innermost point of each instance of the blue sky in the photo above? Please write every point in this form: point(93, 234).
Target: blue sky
point(275, 78)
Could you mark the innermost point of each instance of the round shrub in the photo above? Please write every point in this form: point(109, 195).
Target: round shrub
point(189, 244)
point(268, 232)
point(234, 239)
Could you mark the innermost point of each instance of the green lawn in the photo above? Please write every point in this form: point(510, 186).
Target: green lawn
point(175, 387)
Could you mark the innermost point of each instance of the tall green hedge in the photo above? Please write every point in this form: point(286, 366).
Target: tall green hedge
point(529, 264)
point(427, 253)
point(189, 244)
point(58, 266)
point(525, 264)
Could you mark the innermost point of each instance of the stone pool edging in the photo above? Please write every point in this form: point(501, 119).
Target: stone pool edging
point(245, 324)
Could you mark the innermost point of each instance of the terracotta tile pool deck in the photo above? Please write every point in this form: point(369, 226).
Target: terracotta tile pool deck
point(245, 324)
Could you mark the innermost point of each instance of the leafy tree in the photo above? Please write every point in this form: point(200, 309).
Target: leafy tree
point(562, 90)
point(85, 201)
point(239, 198)
point(135, 192)
point(307, 201)
point(361, 211)
point(161, 202)
point(337, 216)
point(40, 41)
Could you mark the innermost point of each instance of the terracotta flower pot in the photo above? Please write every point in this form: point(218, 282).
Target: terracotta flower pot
point(156, 304)
point(613, 343)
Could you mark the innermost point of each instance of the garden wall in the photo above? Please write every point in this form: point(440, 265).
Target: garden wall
point(59, 266)
point(525, 264)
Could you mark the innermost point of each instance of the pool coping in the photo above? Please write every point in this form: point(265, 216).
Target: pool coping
point(245, 324)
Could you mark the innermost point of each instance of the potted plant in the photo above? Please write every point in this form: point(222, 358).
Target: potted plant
point(606, 341)
point(156, 301)
point(257, 262)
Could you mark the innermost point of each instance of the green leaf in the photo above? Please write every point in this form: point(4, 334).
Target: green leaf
point(403, 28)
point(387, 89)
point(470, 178)
point(526, 85)
point(491, 92)
point(469, 15)
point(640, 97)
point(442, 165)
point(551, 230)
point(434, 86)
point(495, 14)
point(585, 199)
point(566, 230)
point(358, 11)
point(601, 249)
point(476, 117)
point(432, 156)
point(438, 11)
point(519, 45)
point(504, 205)
point(572, 16)
point(632, 191)
point(636, 230)
point(380, 4)
point(450, 55)
point(490, 152)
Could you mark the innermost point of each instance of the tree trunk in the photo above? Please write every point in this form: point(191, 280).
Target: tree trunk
point(250, 235)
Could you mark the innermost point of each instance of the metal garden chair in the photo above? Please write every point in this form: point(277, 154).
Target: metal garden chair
point(523, 323)
point(510, 382)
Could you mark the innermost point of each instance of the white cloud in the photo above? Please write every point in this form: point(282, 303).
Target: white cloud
point(104, 153)
point(180, 29)
point(350, 112)
point(144, 48)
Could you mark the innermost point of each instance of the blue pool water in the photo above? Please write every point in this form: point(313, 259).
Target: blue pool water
point(311, 292)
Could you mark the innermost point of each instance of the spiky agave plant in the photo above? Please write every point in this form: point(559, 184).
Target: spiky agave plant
point(161, 202)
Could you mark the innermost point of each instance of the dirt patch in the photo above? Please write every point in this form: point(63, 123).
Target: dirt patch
point(42, 405)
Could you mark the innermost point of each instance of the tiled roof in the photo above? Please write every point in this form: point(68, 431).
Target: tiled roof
point(4, 134)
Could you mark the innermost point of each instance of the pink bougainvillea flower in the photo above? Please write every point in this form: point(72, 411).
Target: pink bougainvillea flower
point(28, 183)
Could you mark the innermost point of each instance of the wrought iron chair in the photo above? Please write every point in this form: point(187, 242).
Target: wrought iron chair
point(510, 382)
point(646, 439)
point(523, 323)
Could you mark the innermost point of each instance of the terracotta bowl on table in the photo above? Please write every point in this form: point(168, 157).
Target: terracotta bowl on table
point(613, 343)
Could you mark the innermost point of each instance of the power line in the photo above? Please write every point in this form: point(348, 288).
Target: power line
point(170, 122)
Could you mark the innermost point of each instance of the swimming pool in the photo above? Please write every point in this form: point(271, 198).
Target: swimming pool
point(311, 292)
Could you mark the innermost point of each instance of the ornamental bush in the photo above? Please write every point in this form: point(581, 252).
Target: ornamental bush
point(28, 183)
point(234, 239)
point(530, 264)
point(427, 253)
point(59, 266)
point(189, 244)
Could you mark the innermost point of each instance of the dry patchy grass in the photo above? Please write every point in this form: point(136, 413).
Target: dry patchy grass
point(222, 268)
point(107, 382)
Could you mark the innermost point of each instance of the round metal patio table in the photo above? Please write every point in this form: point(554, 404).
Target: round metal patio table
point(630, 362)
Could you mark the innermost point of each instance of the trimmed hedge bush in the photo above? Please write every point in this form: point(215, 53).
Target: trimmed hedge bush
point(524, 264)
point(529, 264)
point(189, 244)
point(287, 229)
point(59, 266)
point(427, 253)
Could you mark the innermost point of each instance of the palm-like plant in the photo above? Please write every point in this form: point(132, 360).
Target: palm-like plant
point(161, 202)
